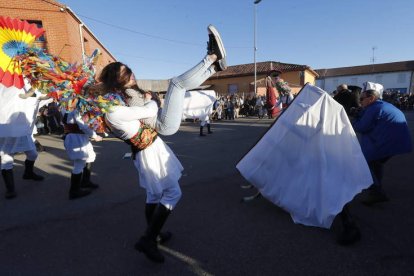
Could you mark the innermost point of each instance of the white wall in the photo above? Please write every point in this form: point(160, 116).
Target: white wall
point(395, 80)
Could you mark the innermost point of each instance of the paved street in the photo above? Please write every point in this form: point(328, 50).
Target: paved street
point(44, 233)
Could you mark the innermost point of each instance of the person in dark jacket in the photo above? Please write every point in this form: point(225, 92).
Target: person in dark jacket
point(346, 98)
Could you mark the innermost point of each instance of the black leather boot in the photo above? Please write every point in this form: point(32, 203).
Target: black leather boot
point(373, 195)
point(201, 131)
point(347, 231)
point(209, 129)
point(28, 171)
point(147, 243)
point(75, 188)
point(162, 237)
point(86, 178)
point(9, 181)
point(39, 147)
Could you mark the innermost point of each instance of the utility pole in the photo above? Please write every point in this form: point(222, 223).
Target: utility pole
point(373, 59)
point(373, 54)
point(254, 46)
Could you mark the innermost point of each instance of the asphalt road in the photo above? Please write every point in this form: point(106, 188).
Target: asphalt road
point(44, 233)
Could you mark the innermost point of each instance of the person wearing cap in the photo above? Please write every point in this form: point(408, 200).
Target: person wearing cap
point(383, 133)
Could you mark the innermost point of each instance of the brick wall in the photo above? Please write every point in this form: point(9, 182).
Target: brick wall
point(62, 34)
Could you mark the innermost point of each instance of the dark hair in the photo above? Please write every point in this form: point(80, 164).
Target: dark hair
point(115, 76)
point(115, 79)
point(274, 73)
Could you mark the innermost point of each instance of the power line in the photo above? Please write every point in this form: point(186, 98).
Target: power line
point(149, 35)
point(153, 59)
point(140, 33)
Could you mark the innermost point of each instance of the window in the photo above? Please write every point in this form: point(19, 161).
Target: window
point(354, 81)
point(233, 88)
point(401, 78)
point(39, 24)
point(378, 78)
point(86, 47)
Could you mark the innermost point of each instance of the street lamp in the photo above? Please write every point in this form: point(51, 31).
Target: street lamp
point(254, 47)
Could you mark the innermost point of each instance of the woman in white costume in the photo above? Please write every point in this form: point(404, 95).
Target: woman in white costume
point(17, 122)
point(159, 169)
point(80, 151)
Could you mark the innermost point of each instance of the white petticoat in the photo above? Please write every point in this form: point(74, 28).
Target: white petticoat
point(78, 147)
point(11, 145)
point(158, 167)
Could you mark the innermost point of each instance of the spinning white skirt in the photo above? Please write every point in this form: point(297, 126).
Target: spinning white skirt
point(12, 145)
point(78, 147)
point(198, 104)
point(158, 167)
point(16, 120)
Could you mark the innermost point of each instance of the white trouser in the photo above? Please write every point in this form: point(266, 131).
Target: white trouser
point(169, 197)
point(7, 160)
point(78, 166)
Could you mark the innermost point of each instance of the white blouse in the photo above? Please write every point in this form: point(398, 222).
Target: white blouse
point(124, 121)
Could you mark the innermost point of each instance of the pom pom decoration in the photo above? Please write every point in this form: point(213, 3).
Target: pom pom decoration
point(16, 37)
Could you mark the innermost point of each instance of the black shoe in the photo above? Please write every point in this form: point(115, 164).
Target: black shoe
point(33, 176)
point(10, 195)
point(79, 193)
point(39, 147)
point(150, 249)
point(164, 237)
point(75, 190)
point(9, 181)
point(90, 185)
point(28, 171)
point(375, 197)
point(215, 46)
point(220, 65)
point(350, 234)
point(345, 227)
point(86, 178)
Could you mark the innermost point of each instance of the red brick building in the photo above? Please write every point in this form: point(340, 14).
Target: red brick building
point(65, 34)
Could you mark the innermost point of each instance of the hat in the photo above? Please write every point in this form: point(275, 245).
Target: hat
point(274, 73)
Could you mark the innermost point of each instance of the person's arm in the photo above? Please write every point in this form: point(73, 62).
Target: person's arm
point(84, 127)
point(133, 113)
point(269, 82)
point(365, 120)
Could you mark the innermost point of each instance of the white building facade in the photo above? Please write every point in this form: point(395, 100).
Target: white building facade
point(396, 76)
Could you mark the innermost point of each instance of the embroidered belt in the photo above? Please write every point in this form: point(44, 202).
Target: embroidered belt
point(142, 140)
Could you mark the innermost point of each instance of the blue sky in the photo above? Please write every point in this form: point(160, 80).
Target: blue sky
point(160, 39)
